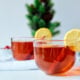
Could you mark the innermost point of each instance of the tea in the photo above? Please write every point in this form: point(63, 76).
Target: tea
point(54, 59)
point(22, 50)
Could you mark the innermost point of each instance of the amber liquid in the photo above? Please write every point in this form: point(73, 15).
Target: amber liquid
point(22, 50)
point(54, 59)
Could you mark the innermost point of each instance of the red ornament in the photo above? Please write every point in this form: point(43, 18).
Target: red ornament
point(7, 47)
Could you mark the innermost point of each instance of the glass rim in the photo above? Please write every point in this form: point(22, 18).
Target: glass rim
point(21, 39)
point(48, 40)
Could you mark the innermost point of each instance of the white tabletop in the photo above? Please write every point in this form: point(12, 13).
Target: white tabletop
point(32, 75)
point(27, 70)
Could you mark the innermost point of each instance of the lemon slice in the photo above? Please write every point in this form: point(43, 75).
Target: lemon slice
point(43, 33)
point(72, 38)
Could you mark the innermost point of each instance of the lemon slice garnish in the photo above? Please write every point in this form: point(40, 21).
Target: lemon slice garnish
point(72, 38)
point(43, 33)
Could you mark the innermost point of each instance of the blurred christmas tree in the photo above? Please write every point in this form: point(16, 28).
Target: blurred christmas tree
point(40, 14)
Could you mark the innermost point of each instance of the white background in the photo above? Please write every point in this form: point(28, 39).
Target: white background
point(14, 23)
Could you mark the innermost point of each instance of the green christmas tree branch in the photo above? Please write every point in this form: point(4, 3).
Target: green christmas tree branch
point(40, 14)
point(37, 3)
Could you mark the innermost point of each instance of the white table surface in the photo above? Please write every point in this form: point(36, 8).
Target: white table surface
point(31, 75)
point(15, 72)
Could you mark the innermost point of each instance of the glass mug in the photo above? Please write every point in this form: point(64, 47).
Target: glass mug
point(22, 48)
point(53, 57)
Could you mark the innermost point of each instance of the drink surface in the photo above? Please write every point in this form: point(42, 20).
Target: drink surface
point(22, 50)
point(54, 59)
